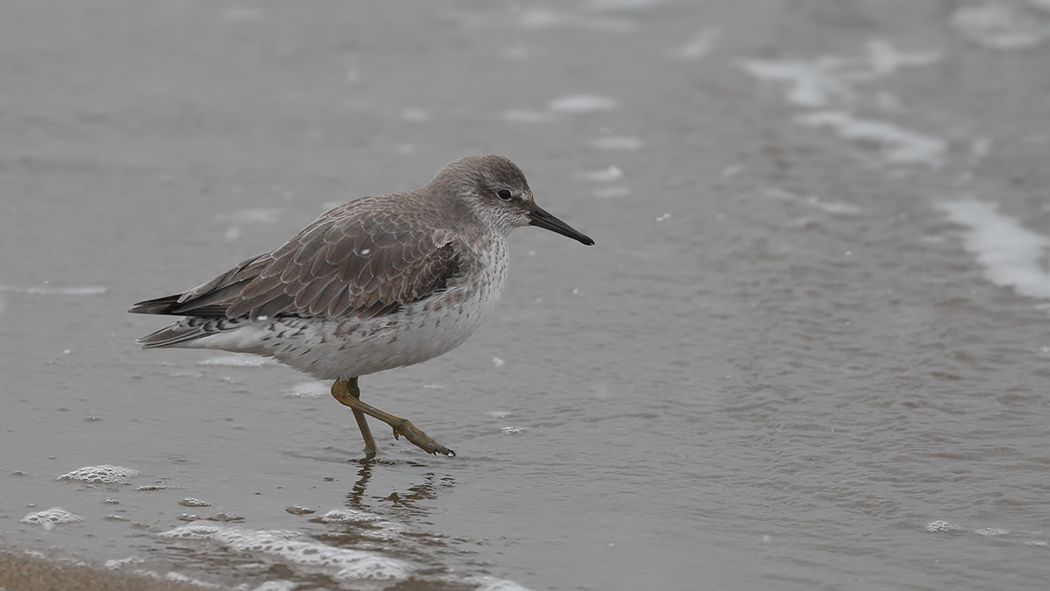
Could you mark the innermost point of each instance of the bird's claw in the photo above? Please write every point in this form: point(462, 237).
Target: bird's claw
point(419, 438)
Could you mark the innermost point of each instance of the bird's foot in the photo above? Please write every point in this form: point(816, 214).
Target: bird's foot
point(419, 438)
point(370, 452)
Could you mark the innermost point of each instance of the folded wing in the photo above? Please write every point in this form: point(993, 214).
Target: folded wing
point(347, 263)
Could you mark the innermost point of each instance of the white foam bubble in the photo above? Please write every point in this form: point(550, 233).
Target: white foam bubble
point(831, 80)
point(309, 390)
point(499, 414)
point(617, 142)
point(45, 290)
point(999, 26)
point(603, 175)
point(51, 517)
point(176, 577)
point(732, 171)
point(347, 516)
point(884, 59)
point(380, 528)
point(194, 502)
point(1011, 255)
point(513, 430)
point(119, 563)
point(991, 531)
point(151, 487)
point(940, 526)
point(343, 564)
point(613, 192)
point(245, 360)
point(582, 103)
point(486, 583)
point(497, 362)
point(545, 18)
point(808, 84)
point(186, 374)
point(697, 46)
point(101, 474)
point(899, 145)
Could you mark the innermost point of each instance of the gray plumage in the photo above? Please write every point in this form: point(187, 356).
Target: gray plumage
point(388, 266)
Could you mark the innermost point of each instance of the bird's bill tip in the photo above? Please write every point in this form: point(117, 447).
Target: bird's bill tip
point(541, 218)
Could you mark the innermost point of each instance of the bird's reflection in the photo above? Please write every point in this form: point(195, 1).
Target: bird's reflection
point(357, 493)
point(388, 510)
point(407, 500)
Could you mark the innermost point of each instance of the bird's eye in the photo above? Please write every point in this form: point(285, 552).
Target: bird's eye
point(504, 194)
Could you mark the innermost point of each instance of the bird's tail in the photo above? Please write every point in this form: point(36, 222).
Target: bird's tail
point(174, 334)
point(164, 305)
point(184, 332)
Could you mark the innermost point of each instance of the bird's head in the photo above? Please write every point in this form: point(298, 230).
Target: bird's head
point(496, 191)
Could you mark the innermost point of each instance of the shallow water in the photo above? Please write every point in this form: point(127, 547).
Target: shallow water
point(808, 351)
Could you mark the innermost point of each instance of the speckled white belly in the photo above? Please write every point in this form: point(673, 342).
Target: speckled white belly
point(336, 348)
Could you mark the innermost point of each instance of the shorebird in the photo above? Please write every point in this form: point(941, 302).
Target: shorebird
point(373, 284)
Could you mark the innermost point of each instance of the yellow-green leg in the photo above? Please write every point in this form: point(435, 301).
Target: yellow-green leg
point(343, 390)
point(347, 393)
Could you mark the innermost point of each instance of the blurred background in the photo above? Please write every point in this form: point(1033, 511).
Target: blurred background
point(810, 349)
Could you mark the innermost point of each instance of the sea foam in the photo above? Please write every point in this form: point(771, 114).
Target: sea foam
point(1010, 254)
point(101, 474)
point(832, 80)
point(899, 145)
point(999, 26)
point(582, 103)
point(44, 290)
point(343, 564)
point(51, 517)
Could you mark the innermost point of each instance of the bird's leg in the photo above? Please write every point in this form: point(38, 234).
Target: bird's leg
point(344, 390)
point(401, 426)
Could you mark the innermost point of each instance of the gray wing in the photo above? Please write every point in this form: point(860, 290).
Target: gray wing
point(347, 263)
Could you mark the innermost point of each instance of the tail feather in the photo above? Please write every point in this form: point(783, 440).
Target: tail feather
point(186, 330)
point(174, 334)
point(163, 305)
point(211, 305)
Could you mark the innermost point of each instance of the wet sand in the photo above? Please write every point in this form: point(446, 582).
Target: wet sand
point(809, 349)
point(25, 573)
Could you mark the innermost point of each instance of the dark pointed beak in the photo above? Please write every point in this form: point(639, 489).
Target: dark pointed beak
point(541, 218)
